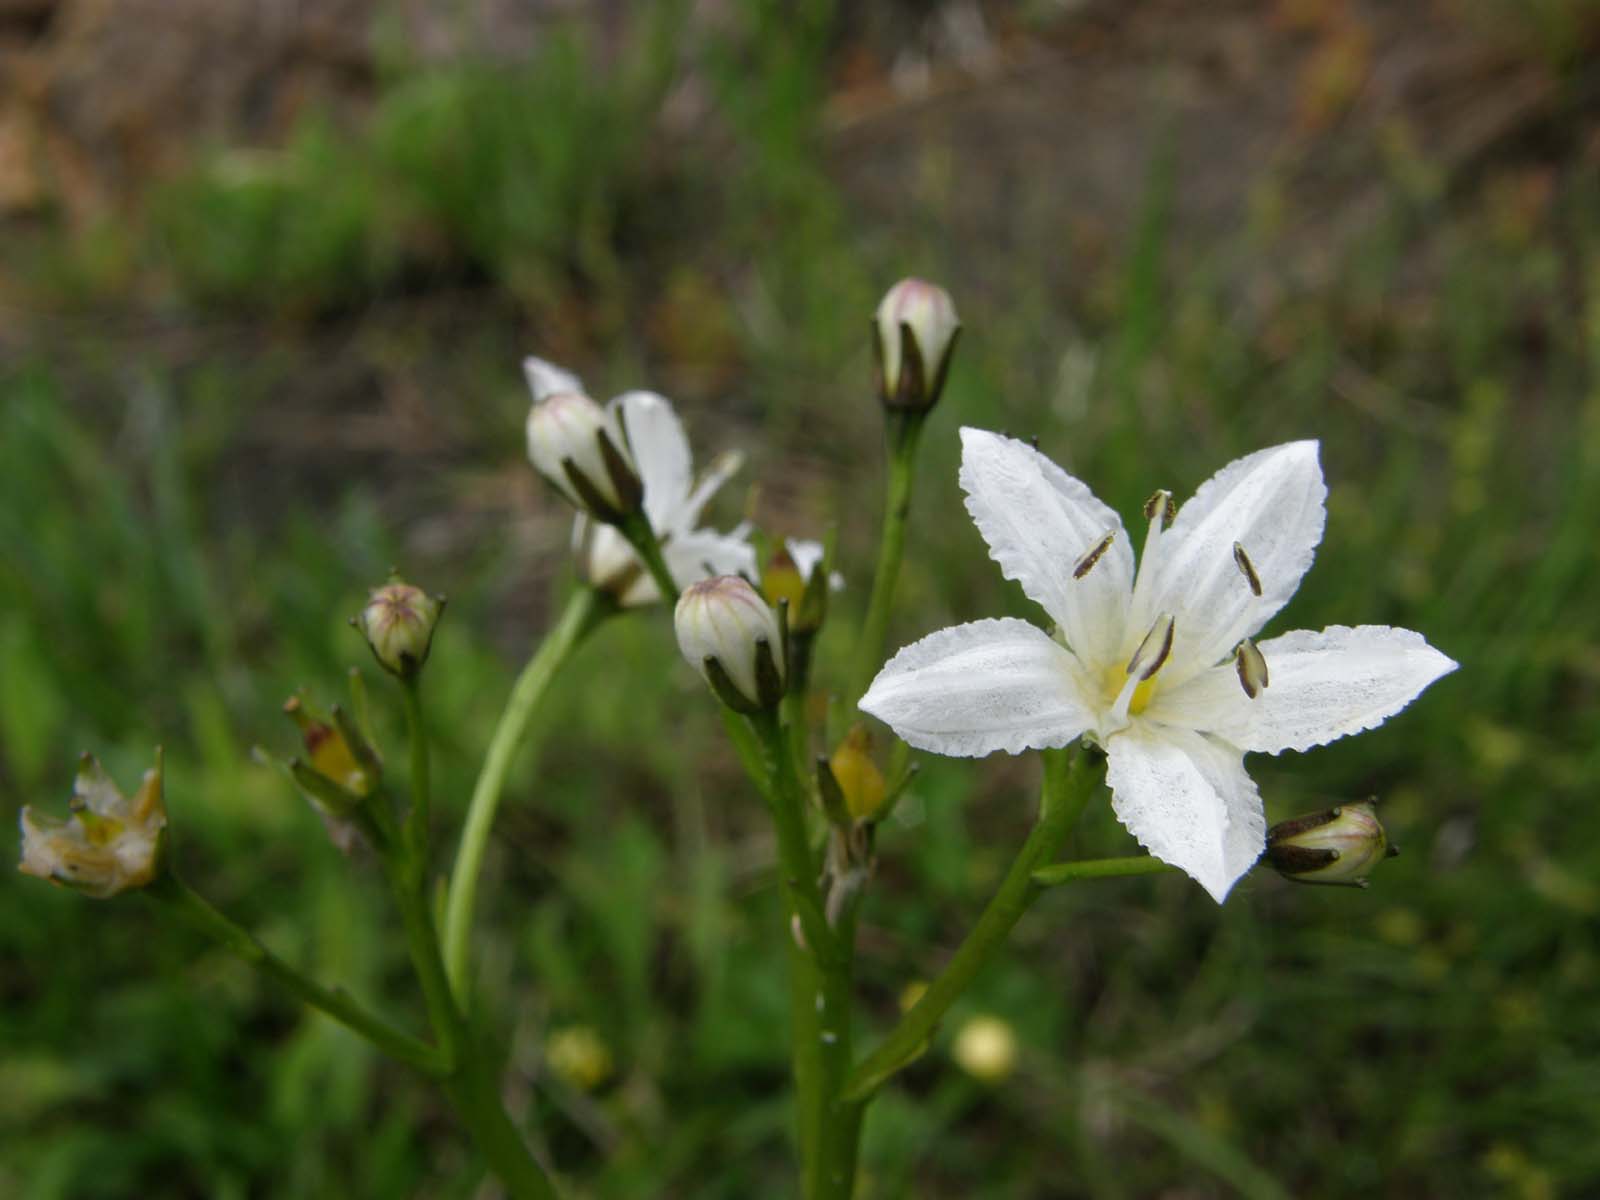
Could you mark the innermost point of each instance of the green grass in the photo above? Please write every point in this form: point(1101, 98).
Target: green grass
point(164, 578)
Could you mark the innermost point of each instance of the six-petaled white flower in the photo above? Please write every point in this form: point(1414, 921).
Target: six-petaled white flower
point(673, 499)
point(1158, 666)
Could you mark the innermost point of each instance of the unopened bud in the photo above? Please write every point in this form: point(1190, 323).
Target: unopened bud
point(580, 450)
point(398, 623)
point(1340, 845)
point(986, 1048)
point(727, 632)
point(108, 845)
point(858, 776)
point(914, 338)
point(579, 1055)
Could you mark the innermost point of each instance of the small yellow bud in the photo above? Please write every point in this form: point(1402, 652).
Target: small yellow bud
point(986, 1048)
point(857, 775)
point(579, 1055)
point(330, 753)
point(108, 845)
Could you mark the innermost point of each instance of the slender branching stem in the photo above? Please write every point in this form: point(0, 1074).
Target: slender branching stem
point(584, 611)
point(904, 434)
point(1069, 781)
point(1100, 868)
point(636, 528)
point(183, 902)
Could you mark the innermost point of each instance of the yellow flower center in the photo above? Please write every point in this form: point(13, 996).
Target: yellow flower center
point(1116, 678)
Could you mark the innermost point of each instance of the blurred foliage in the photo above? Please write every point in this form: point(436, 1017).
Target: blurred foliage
point(1431, 1037)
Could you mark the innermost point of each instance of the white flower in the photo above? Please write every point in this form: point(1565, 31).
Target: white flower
point(673, 500)
point(1157, 668)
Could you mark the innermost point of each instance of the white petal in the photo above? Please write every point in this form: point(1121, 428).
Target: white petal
point(1271, 503)
point(974, 689)
point(1321, 686)
point(1188, 801)
point(661, 451)
point(546, 379)
point(1039, 521)
point(718, 473)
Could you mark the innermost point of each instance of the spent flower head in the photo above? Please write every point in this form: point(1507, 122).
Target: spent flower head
point(673, 499)
point(1157, 666)
point(109, 845)
point(728, 633)
point(914, 336)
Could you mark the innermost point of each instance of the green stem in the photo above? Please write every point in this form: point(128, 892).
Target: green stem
point(584, 611)
point(636, 528)
point(476, 1096)
point(1068, 784)
point(417, 821)
point(1100, 868)
point(189, 906)
point(905, 432)
point(821, 991)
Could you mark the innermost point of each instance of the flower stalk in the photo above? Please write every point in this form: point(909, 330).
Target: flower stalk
point(1069, 782)
point(904, 435)
point(583, 613)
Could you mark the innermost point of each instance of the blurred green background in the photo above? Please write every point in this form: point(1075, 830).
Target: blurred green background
point(268, 273)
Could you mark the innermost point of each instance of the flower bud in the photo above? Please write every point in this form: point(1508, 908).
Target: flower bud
point(914, 336)
point(1340, 845)
point(857, 775)
point(108, 845)
point(398, 623)
point(728, 634)
point(578, 1054)
point(580, 450)
point(986, 1048)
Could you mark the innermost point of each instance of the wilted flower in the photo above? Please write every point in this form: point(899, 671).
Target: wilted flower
point(108, 845)
point(727, 632)
point(857, 775)
point(914, 336)
point(1157, 669)
point(986, 1048)
point(673, 499)
point(580, 450)
point(398, 623)
point(794, 574)
point(1339, 845)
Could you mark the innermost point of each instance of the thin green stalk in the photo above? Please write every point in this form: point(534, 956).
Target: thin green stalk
point(905, 432)
point(471, 1079)
point(820, 989)
point(417, 821)
point(1100, 868)
point(636, 528)
point(188, 905)
point(1068, 784)
point(584, 611)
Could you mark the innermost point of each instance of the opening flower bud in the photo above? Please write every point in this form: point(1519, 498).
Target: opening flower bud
point(797, 572)
point(109, 845)
point(914, 336)
point(1339, 846)
point(398, 623)
point(336, 752)
point(580, 450)
point(727, 632)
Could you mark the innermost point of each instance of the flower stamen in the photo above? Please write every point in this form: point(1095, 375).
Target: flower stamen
point(1252, 668)
point(1247, 569)
point(1094, 554)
